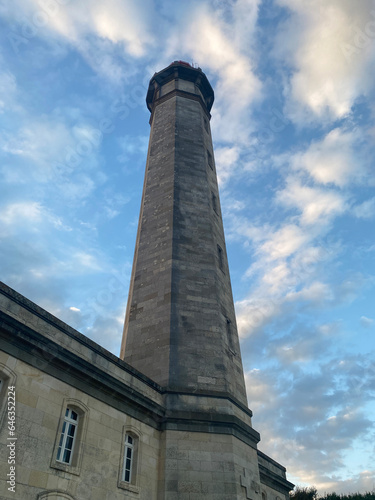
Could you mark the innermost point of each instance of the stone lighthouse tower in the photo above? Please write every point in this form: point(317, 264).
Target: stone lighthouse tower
point(180, 327)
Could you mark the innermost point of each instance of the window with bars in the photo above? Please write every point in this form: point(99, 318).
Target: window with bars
point(67, 437)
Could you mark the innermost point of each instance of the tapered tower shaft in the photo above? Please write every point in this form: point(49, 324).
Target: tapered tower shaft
point(180, 327)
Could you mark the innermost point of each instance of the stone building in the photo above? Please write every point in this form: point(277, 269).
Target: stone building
point(169, 418)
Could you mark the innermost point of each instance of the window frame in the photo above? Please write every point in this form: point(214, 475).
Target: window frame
point(54, 495)
point(82, 411)
point(129, 447)
point(8, 379)
point(68, 424)
point(133, 484)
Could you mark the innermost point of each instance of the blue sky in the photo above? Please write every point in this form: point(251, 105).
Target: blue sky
point(293, 129)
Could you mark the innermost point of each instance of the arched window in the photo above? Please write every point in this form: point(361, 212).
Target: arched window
point(130, 459)
point(71, 432)
point(68, 436)
point(7, 390)
point(54, 495)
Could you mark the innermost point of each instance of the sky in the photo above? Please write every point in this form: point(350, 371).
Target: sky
point(293, 130)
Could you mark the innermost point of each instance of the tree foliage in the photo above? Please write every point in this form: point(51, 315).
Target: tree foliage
point(304, 493)
point(311, 493)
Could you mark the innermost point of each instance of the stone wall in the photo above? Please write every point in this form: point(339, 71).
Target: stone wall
point(41, 403)
point(52, 366)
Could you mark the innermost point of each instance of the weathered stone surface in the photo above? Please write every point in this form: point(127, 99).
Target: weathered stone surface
point(180, 327)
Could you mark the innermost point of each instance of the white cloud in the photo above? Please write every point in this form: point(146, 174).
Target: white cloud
point(316, 205)
point(314, 41)
point(331, 160)
point(365, 210)
point(226, 159)
point(55, 150)
point(255, 312)
point(366, 322)
point(8, 88)
point(31, 211)
point(287, 260)
point(41, 140)
point(273, 300)
point(213, 42)
point(85, 260)
point(260, 393)
point(29, 216)
point(107, 330)
point(118, 21)
point(311, 418)
point(124, 21)
point(316, 292)
point(286, 273)
point(284, 242)
point(106, 35)
point(131, 146)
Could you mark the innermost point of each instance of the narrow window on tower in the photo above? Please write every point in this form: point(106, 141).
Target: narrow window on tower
point(230, 335)
point(209, 160)
point(214, 202)
point(221, 258)
point(205, 121)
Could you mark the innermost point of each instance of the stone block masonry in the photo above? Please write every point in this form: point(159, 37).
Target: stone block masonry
point(180, 327)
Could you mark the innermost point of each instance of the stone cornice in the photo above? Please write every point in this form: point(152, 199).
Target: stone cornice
point(74, 334)
point(26, 344)
point(215, 395)
point(95, 348)
point(274, 481)
point(33, 348)
point(217, 424)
